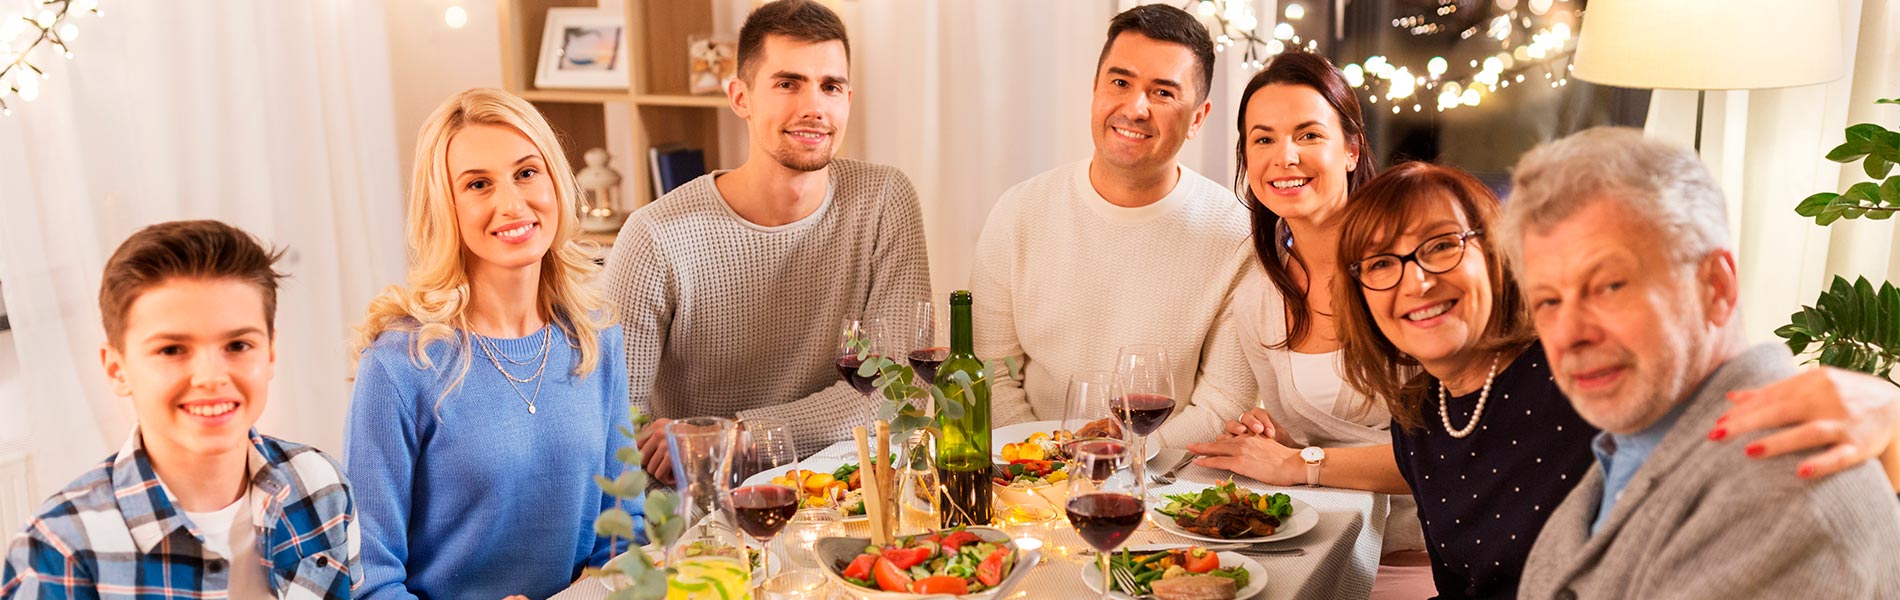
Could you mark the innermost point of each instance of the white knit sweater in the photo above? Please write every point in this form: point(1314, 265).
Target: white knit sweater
point(1064, 279)
point(728, 318)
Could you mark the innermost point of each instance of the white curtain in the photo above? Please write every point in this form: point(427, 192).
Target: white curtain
point(1766, 149)
point(971, 97)
point(272, 116)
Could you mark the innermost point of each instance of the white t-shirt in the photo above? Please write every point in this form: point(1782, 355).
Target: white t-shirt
point(231, 532)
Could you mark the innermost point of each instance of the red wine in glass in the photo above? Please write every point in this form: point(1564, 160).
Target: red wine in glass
point(1105, 519)
point(848, 366)
point(926, 361)
point(1110, 456)
point(763, 510)
point(1144, 413)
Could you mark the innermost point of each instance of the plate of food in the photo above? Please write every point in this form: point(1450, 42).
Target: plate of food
point(1029, 481)
point(1044, 440)
point(1226, 512)
point(977, 562)
point(1170, 571)
point(838, 488)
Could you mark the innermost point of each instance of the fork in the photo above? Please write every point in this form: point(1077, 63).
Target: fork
point(1127, 582)
point(1167, 477)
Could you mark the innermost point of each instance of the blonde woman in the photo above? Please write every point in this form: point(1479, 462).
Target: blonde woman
point(488, 389)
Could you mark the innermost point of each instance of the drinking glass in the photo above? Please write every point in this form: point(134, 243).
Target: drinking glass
point(1105, 504)
point(1147, 386)
point(1088, 414)
point(860, 339)
point(917, 492)
point(710, 553)
point(763, 510)
point(925, 354)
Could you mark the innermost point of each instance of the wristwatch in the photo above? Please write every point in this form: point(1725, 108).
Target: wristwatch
point(1313, 455)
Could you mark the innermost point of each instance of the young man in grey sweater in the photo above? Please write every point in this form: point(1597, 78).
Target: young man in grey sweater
point(732, 288)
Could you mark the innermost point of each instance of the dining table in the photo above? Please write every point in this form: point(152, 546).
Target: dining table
point(1339, 561)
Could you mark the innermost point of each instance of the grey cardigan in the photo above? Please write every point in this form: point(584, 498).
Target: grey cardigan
point(1701, 520)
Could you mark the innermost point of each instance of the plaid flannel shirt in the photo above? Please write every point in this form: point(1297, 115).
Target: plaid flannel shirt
point(116, 533)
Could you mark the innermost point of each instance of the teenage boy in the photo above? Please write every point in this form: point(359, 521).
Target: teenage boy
point(197, 504)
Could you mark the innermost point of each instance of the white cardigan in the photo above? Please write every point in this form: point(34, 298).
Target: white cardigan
point(1261, 312)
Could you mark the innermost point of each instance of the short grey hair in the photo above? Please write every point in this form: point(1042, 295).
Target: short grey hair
point(1661, 183)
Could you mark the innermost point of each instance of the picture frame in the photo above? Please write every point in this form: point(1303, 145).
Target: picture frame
point(583, 48)
point(710, 64)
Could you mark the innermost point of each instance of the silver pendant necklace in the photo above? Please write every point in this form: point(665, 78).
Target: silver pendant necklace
point(490, 349)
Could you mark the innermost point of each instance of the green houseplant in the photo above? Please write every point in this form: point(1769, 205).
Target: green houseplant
point(1854, 325)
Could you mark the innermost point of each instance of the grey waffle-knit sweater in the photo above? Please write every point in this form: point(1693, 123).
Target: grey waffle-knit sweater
point(724, 317)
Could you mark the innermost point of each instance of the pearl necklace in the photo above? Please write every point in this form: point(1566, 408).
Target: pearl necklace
point(1444, 415)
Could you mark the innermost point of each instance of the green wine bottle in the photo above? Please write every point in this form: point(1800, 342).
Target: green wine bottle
point(963, 458)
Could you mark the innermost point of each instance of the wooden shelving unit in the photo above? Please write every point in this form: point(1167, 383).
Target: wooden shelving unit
point(663, 111)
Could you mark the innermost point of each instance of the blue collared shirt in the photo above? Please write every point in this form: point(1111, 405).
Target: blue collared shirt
point(1621, 455)
point(116, 533)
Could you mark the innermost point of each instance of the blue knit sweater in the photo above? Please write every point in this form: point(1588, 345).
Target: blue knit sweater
point(470, 495)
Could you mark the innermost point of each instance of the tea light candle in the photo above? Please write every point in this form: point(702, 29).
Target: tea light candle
point(802, 533)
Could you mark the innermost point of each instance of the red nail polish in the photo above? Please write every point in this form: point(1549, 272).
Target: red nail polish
point(1754, 450)
point(1719, 433)
point(1805, 471)
point(1720, 419)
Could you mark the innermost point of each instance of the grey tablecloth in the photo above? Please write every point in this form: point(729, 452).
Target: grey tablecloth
point(1341, 560)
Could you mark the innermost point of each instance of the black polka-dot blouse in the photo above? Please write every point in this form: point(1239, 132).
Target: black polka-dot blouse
point(1482, 499)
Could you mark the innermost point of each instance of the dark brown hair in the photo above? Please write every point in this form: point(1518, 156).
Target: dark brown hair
point(802, 20)
point(184, 250)
point(1164, 23)
point(1378, 214)
point(1313, 71)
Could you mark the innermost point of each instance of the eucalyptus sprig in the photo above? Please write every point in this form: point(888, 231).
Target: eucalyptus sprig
point(663, 527)
point(908, 406)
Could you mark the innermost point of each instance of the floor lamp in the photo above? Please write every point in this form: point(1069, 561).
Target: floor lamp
point(1709, 45)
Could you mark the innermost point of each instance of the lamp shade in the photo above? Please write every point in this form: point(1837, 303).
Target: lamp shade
point(1709, 44)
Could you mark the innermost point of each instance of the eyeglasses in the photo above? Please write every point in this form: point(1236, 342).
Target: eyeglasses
point(1436, 255)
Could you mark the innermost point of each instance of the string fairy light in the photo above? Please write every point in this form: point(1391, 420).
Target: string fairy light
point(1234, 23)
point(49, 28)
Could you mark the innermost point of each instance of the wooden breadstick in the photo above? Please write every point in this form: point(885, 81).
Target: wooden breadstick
point(886, 479)
point(867, 481)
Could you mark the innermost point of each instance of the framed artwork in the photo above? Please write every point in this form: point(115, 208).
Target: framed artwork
point(583, 48)
point(712, 62)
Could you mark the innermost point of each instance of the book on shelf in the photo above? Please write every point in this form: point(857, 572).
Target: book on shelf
point(672, 165)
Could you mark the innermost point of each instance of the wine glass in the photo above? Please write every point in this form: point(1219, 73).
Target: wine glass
point(1147, 386)
point(1105, 504)
point(925, 353)
point(859, 341)
point(762, 510)
point(1087, 413)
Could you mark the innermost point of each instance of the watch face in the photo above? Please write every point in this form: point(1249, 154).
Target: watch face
point(1313, 454)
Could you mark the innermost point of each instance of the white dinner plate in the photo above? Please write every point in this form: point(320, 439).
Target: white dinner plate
point(1256, 575)
point(1304, 518)
point(1010, 434)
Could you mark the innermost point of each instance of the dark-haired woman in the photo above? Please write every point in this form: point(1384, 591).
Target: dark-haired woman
point(1302, 150)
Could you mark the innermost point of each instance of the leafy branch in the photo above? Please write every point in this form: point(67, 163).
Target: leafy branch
point(1853, 326)
point(1878, 149)
point(662, 525)
point(908, 406)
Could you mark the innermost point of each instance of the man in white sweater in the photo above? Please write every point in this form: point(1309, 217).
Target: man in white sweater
point(732, 288)
point(1128, 247)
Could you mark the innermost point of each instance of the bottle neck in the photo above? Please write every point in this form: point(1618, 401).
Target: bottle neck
point(960, 339)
